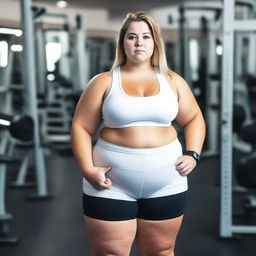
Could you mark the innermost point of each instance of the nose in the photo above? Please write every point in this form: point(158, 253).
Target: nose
point(139, 42)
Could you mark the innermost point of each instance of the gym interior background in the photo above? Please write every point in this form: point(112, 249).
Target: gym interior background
point(48, 52)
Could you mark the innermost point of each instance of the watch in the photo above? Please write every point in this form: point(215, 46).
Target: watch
point(195, 155)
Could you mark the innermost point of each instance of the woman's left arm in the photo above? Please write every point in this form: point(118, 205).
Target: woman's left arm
point(191, 119)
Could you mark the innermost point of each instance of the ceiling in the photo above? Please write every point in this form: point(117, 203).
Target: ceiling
point(117, 7)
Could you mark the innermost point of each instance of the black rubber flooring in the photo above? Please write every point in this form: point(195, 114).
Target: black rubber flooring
point(55, 227)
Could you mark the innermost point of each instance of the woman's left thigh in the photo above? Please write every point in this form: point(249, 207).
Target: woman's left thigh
point(157, 237)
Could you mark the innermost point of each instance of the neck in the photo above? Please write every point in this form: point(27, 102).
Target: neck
point(137, 67)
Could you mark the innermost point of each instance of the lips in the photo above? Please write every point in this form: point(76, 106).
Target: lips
point(139, 51)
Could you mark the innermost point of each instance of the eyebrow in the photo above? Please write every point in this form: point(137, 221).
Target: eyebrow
point(132, 33)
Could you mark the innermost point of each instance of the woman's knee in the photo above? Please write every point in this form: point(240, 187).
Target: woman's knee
point(110, 251)
point(164, 250)
point(112, 247)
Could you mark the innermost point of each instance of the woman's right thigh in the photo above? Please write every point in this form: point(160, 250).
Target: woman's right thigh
point(110, 237)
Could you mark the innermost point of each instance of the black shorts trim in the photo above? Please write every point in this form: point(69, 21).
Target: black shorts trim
point(159, 208)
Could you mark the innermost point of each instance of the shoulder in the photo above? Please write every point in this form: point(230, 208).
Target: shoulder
point(97, 86)
point(100, 83)
point(178, 84)
point(101, 80)
point(175, 78)
point(177, 81)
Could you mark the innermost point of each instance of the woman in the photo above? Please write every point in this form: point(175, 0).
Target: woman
point(135, 175)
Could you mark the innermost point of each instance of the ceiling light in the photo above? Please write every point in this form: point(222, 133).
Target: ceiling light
point(16, 32)
point(17, 48)
point(3, 54)
point(61, 4)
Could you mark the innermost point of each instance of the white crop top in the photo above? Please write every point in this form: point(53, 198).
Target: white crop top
point(121, 110)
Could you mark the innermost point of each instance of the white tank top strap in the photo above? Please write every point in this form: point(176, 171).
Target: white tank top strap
point(115, 78)
point(166, 88)
point(158, 74)
point(114, 84)
point(161, 78)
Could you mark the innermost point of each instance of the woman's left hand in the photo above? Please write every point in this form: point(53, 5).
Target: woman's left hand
point(185, 164)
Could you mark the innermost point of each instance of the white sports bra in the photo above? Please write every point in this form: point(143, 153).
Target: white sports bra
point(121, 110)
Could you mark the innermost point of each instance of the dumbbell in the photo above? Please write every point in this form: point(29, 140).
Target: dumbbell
point(20, 126)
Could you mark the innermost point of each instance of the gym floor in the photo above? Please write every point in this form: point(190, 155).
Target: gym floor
point(55, 227)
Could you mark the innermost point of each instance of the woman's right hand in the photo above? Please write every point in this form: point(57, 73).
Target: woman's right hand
point(98, 179)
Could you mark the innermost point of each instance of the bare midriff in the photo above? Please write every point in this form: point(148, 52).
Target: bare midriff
point(139, 137)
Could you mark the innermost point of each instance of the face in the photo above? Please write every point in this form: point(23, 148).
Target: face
point(138, 42)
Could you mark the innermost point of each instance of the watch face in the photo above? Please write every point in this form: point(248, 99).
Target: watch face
point(196, 156)
point(193, 154)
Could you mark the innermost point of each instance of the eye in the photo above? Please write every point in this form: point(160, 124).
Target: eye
point(131, 37)
point(146, 37)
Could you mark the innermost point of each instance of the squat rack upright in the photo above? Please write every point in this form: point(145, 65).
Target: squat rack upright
point(230, 26)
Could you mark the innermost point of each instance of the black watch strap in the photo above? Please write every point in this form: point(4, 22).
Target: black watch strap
point(195, 155)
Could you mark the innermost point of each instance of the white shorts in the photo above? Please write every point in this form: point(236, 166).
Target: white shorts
point(138, 172)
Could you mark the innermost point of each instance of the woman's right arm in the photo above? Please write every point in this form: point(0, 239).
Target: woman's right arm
point(87, 118)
